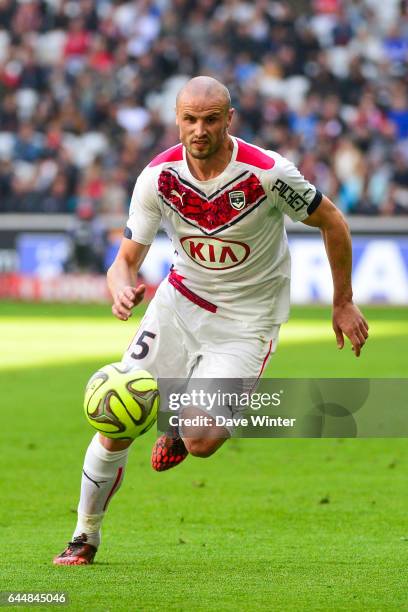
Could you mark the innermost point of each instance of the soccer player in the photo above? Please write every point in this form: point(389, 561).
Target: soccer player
point(222, 202)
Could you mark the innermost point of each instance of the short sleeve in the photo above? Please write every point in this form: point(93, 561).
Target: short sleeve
point(144, 212)
point(292, 194)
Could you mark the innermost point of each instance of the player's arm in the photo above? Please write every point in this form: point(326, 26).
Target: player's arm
point(347, 318)
point(141, 228)
point(122, 277)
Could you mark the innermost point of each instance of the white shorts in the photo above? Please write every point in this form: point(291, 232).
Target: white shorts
point(178, 339)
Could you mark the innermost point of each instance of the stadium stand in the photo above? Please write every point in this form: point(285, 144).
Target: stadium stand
point(87, 92)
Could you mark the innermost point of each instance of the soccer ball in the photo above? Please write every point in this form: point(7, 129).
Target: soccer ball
point(120, 402)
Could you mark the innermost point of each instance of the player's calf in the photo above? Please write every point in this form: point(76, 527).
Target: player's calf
point(203, 447)
point(200, 441)
point(204, 439)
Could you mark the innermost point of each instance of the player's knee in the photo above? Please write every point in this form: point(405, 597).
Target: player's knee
point(201, 447)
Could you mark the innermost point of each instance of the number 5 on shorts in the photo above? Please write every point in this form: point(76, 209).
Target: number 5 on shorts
point(144, 346)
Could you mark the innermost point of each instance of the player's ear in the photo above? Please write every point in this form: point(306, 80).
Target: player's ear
point(230, 114)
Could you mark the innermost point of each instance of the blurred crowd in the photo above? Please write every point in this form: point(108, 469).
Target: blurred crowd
point(87, 91)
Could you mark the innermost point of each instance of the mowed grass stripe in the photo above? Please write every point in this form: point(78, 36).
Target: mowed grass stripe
point(30, 341)
point(102, 311)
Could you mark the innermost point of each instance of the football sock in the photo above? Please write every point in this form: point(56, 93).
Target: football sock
point(102, 476)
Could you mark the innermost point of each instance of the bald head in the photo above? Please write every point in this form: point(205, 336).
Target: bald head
point(204, 88)
point(203, 115)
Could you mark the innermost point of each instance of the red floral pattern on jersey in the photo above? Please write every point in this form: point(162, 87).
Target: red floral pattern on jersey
point(208, 213)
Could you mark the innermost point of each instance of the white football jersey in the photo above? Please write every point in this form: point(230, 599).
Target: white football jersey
point(230, 247)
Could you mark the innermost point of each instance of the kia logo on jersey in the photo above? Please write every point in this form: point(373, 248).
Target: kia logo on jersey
point(215, 253)
point(237, 199)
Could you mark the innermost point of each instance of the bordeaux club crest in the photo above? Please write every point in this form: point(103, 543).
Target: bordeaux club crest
point(237, 199)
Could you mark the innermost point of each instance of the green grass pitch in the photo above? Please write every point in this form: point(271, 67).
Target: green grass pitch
point(261, 525)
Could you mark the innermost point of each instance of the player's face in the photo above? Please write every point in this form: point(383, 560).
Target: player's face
point(203, 126)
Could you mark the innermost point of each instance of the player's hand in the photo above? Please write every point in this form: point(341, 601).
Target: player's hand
point(125, 300)
point(348, 320)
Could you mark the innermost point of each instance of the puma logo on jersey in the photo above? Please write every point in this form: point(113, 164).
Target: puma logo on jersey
point(215, 253)
point(178, 195)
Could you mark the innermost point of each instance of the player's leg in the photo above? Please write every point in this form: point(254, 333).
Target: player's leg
point(102, 475)
point(105, 459)
point(202, 441)
point(198, 429)
point(233, 352)
point(197, 432)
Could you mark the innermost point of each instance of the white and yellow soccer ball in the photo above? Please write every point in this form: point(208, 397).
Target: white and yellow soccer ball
point(121, 403)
